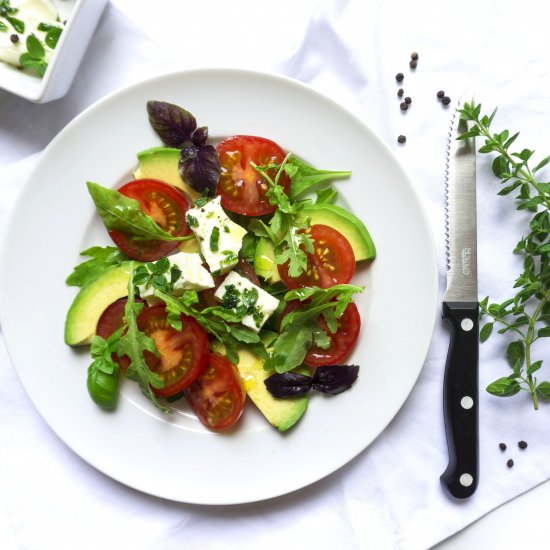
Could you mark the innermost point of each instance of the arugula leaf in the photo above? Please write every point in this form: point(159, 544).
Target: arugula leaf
point(299, 328)
point(305, 178)
point(102, 259)
point(121, 213)
point(133, 343)
point(290, 237)
point(210, 319)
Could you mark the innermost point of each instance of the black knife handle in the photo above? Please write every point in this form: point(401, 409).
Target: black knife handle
point(460, 399)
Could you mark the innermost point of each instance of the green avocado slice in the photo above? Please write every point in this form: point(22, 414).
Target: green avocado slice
point(281, 413)
point(91, 301)
point(346, 223)
point(161, 163)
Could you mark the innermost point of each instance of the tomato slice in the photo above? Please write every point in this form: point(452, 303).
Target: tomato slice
point(217, 396)
point(183, 355)
point(167, 205)
point(331, 263)
point(242, 189)
point(342, 341)
point(112, 319)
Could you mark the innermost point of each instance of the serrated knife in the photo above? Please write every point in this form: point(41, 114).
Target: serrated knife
point(460, 310)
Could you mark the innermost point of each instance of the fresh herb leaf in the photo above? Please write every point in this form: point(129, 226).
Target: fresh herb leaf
point(121, 213)
point(332, 379)
point(200, 168)
point(172, 124)
point(18, 26)
point(102, 259)
point(215, 239)
point(3, 27)
point(52, 37)
point(297, 329)
point(211, 320)
point(104, 373)
point(133, 343)
point(38, 65)
point(525, 314)
point(306, 178)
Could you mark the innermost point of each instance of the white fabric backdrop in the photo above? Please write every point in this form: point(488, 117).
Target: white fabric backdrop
point(389, 496)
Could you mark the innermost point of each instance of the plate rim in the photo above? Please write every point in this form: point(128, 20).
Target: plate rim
point(246, 73)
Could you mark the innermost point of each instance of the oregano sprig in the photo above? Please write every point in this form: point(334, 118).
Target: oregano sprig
point(527, 314)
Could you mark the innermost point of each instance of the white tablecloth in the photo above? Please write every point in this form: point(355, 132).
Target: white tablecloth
point(389, 496)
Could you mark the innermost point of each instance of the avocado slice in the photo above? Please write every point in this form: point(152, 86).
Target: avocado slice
point(281, 413)
point(264, 261)
point(91, 301)
point(346, 223)
point(161, 163)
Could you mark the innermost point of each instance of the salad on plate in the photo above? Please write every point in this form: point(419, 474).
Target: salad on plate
point(230, 278)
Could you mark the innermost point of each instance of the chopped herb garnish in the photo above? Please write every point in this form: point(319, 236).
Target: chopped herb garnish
point(192, 221)
point(160, 275)
point(215, 239)
point(17, 24)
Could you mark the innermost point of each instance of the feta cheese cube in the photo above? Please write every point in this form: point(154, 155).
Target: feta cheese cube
point(263, 308)
point(193, 275)
point(219, 237)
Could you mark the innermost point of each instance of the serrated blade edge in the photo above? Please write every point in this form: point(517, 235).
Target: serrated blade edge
point(460, 215)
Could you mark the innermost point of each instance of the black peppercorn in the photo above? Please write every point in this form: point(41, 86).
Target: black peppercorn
point(14, 38)
point(408, 100)
point(400, 92)
point(414, 56)
point(413, 63)
point(440, 94)
point(510, 463)
point(446, 100)
point(502, 446)
point(399, 77)
point(403, 106)
point(522, 444)
point(401, 139)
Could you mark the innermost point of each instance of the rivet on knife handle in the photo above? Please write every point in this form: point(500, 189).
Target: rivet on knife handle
point(460, 399)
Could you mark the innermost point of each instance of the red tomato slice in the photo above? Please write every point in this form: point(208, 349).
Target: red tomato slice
point(332, 262)
point(167, 205)
point(342, 341)
point(241, 187)
point(217, 396)
point(183, 355)
point(112, 319)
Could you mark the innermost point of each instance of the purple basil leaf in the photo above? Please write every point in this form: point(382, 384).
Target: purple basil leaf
point(334, 379)
point(173, 124)
point(288, 384)
point(200, 168)
point(188, 152)
point(200, 135)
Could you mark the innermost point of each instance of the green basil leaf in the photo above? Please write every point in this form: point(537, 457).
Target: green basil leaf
point(504, 387)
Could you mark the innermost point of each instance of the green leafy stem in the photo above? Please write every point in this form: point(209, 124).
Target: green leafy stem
point(527, 314)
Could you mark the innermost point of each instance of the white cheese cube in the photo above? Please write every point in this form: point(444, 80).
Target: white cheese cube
point(193, 275)
point(264, 307)
point(219, 237)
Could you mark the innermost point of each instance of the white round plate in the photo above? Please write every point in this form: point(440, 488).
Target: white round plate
point(173, 456)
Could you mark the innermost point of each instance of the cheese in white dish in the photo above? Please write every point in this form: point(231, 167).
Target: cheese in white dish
point(193, 276)
point(32, 14)
point(220, 239)
point(264, 306)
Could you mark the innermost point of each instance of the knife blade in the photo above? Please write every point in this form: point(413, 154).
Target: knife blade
point(460, 310)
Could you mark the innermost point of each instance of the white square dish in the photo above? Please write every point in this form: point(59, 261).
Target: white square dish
point(81, 23)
